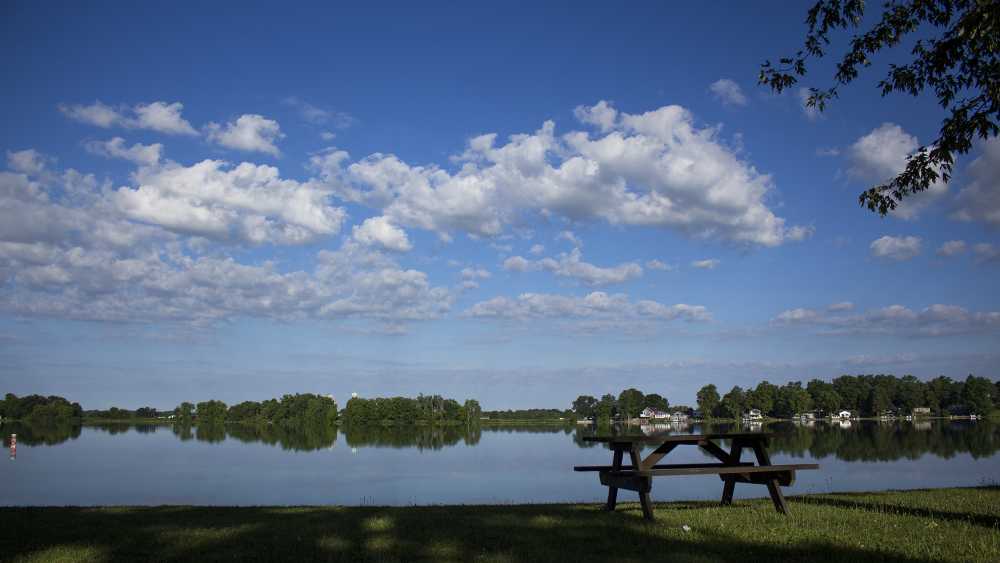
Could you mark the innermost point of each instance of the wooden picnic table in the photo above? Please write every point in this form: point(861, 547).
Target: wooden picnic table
point(730, 468)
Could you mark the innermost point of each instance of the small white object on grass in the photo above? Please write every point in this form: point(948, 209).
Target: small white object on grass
point(686, 528)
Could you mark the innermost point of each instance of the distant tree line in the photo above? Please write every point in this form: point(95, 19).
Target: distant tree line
point(528, 414)
point(628, 404)
point(38, 408)
point(404, 410)
point(289, 409)
point(864, 395)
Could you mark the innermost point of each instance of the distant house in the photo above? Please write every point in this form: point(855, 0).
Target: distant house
point(678, 417)
point(921, 411)
point(753, 414)
point(887, 414)
point(809, 415)
point(844, 415)
point(650, 412)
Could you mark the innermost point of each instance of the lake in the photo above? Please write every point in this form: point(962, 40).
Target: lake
point(121, 464)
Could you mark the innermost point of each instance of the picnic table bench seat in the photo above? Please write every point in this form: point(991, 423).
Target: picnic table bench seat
point(730, 468)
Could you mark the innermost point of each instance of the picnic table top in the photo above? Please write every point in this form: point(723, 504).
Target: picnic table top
point(679, 438)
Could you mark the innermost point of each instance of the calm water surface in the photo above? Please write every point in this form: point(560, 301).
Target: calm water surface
point(241, 465)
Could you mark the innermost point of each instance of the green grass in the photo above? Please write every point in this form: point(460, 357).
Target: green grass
point(903, 526)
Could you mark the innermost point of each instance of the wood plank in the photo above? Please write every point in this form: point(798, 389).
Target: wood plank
point(613, 491)
point(659, 466)
point(678, 438)
point(777, 497)
point(719, 453)
point(722, 470)
point(657, 455)
point(644, 500)
point(785, 478)
point(633, 482)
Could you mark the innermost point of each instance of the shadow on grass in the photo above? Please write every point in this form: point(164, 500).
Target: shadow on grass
point(483, 533)
point(846, 502)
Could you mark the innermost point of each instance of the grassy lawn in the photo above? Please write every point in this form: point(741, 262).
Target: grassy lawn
point(923, 525)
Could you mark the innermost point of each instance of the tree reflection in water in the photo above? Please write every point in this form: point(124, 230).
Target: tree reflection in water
point(862, 441)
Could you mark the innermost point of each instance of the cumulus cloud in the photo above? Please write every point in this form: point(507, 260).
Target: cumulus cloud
point(68, 251)
point(658, 265)
point(881, 155)
point(655, 169)
point(569, 237)
point(379, 231)
point(707, 264)
point(728, 92)
point(934, 320)
point(609, 311)
point(979, 200)
point(952, 248)
point(156, 116)
point(143, 155)
point(571, 265)
point(536, 249)
point(896, 248)
point(246, 203)
point(250, 132)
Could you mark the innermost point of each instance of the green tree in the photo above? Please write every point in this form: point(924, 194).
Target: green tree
point(955, 55)
point(656, 401)
point(763, 397)
point(792, 399)
point(824, 396)
point(733, 403)
point(211, 412)
point(585, 406)
point(708, 400)
point(977, 395)
point(472, 411)
point(184, 412)
point(630, 402)
point(607, 407)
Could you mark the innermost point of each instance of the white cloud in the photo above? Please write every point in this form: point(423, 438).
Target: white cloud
point(536, 249)
point(143, 155)
point(247, 203)
point(600, 115)
point(728, 92)
point(250, 132)
point(379, 231)
point(707, 264)
point(831, 151)
point(571, 265)
point(320, 116)
point(842, 306)
point(952, 248)
point(654, 169)
point(896, 248)
point(882, 154)
point(569, 237)
point(612, 309)
point(28, 161)
point(934, 320)
point(67, 251)
point(156, 116)
point(986, 252)
point(980, 199)
point(658, 265)
point(328, 135)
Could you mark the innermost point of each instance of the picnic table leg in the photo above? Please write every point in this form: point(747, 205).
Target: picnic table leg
point(647, 506)
point(772, 485)
point(735, 451)
point(616, 465)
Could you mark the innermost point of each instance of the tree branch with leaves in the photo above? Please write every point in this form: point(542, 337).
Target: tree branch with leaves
point(959, 62)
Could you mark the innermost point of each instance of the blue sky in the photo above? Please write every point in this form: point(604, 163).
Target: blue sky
point(518, 202)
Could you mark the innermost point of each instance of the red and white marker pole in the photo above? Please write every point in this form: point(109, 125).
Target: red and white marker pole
point(13, 446)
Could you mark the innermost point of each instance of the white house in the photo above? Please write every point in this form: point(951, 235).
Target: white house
point(844, 415)
point(650, 412)
point(753, 414)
